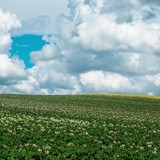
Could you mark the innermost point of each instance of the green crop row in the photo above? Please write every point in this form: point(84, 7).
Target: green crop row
point(79, 127)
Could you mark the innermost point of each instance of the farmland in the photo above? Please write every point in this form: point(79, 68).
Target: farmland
point(112, 127)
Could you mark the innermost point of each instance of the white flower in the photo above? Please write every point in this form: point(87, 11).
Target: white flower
point(39, 150)
point(122, 146)
point(34, 145)
point(46, 152)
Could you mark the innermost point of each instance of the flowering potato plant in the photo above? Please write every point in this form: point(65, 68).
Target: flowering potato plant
point(112, 127)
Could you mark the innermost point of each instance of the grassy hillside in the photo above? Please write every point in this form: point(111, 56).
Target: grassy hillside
point(79, 127)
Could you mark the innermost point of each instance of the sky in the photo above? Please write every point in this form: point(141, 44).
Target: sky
point(80, 46)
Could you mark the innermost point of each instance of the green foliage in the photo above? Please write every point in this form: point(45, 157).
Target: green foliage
point(79, 127)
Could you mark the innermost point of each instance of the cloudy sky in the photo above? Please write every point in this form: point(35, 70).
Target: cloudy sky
point(80, 46)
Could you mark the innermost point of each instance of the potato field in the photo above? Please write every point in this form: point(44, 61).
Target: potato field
point(79, 127)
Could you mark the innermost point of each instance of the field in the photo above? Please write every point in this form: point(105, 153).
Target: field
point(79, 127)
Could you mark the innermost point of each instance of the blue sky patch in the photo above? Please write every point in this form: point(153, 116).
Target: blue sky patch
point(22, 46)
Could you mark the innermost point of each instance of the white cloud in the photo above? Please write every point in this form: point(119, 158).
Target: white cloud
point(138, 63)
point(54, 79)
point(98, 48)
point(11, 69)
point(48, 52)
point(95, 37)
point(8, 22)
point(100, 32)
point(97, 52)
point(106, 82)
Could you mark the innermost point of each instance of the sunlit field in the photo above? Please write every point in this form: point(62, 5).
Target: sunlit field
point(80, 127)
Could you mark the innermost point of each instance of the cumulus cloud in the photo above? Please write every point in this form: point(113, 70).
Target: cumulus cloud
point(102, 46)
point(46, 80)
point(54, 78)
point(98, 31)
point(8, 22)
point(101, 35)
point(107, 82)
point(11, 69)
point(48, 52)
